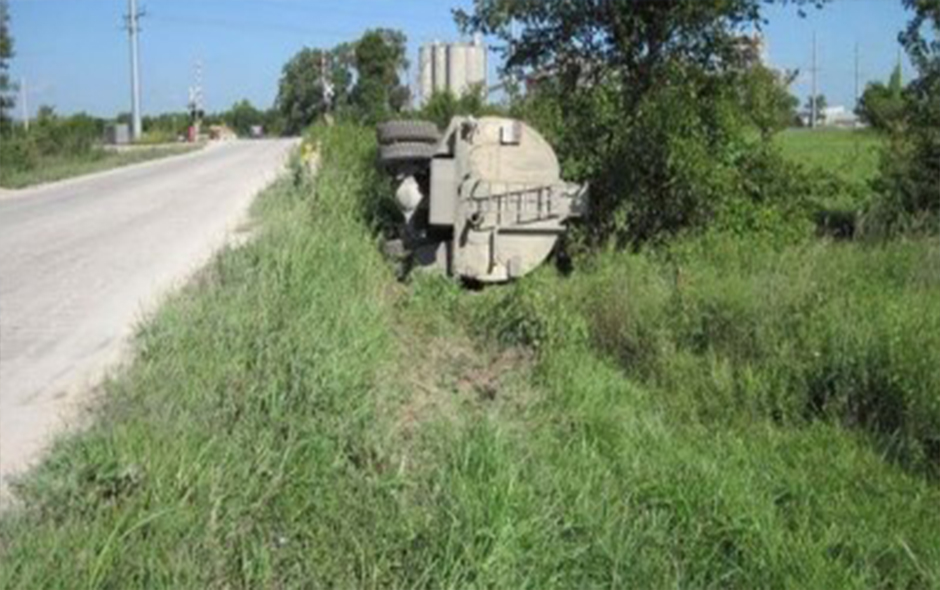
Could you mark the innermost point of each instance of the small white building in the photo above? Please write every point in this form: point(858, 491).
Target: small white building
point(839, 116)
point(834, 116)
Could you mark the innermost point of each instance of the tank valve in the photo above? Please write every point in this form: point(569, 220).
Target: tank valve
point(408, 196)
point(475, 220)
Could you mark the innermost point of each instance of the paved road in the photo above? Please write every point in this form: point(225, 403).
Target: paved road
point(81, 262)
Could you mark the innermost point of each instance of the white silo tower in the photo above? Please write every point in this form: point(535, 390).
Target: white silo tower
point(439, 52)
point(476, 62)
point(457, 68)
point(426, 72)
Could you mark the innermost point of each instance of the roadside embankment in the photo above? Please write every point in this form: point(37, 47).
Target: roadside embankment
point(710, 418)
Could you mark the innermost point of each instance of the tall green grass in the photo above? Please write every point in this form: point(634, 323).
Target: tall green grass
point(239, 450)
point(727, 329)
point(692, 419)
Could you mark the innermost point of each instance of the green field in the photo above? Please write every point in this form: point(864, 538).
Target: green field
point(57, 168)
point(852, 155)
point(724, 414)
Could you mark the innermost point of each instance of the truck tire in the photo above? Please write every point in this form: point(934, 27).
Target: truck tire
point(398, 153)
point(407, 131)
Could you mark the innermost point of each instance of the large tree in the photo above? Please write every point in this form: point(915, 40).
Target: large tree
point(7, 100)
point(361, 77)
point(243, 116)
point(766, 98)
point(301, 96)
point(379, 57)
point(313, 82)
point(650, 82)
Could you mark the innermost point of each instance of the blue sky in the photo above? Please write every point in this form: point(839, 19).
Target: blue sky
point(73, 54)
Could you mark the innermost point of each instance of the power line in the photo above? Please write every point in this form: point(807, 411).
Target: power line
point(252, 26)
point(255, 26)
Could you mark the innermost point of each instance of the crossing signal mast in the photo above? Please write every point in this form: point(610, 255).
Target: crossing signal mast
point(196, 107)
point(329, 92)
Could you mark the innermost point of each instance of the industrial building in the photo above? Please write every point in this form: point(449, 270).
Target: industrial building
point(456, 67)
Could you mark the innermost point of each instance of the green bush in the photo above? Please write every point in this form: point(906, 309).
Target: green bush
point(18, 152)
point(529, 315)
point(685, 159)
point(443, 106)
point(50, 138)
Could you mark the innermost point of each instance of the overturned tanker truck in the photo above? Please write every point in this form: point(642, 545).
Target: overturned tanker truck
point(483, 201)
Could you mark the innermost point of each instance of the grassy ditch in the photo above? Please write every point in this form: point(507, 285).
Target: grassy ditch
point(54, 168)
point(726, 415)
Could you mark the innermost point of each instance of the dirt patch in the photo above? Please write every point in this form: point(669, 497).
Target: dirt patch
point(448, 379)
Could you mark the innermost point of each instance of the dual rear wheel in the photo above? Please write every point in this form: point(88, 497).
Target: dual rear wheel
point(407, 142)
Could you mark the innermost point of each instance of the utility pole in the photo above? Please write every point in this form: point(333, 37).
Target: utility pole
point(813, 108)
point(133, 29)
point(24, 104)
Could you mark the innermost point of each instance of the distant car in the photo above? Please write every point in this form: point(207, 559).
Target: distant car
point(257, 131)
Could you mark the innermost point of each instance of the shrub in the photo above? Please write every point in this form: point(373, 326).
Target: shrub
point(530, 314)
point(910, 171)
point(77, 137)
point(18, 152)
point(443, 106)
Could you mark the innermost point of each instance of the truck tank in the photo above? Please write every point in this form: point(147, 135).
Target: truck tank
point(493, 195)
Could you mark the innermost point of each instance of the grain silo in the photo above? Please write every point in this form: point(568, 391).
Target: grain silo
point(425, 71)
point(456, 67)
point(476, 62)
point(440, 67)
